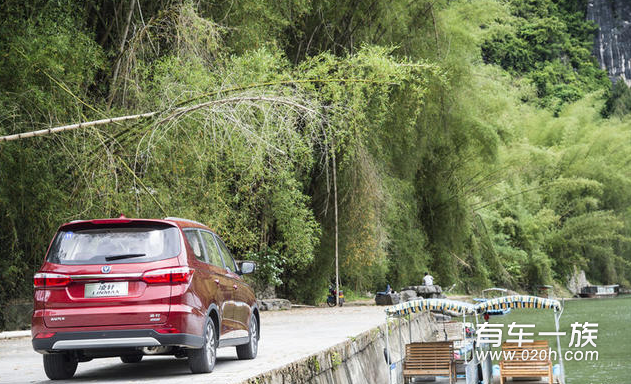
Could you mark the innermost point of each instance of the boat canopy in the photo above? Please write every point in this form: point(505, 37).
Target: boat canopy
point(446, 306)
point(517, 301)
point(495, 289)
point(453, 307)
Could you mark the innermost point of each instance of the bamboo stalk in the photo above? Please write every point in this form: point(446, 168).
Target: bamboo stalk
point(63, 128)
point(177, 112)
point(132, 3)
point(337, 264)
point(181, 110)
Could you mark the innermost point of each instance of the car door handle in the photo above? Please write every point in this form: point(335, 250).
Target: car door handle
point(235, 286)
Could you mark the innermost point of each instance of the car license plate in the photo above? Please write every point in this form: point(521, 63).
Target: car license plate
point(106, 289)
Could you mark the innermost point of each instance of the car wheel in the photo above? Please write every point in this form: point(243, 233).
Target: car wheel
point(248, 351)
point(131, 358)
point(203, 360)
point(59, 366)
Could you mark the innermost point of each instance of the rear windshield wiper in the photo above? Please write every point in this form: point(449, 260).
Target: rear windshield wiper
point(125, 256)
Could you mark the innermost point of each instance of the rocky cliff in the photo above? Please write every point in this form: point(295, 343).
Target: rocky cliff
point(577, 281)
point(613, 41)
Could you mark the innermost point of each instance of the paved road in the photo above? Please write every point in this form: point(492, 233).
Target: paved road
point(286, 336)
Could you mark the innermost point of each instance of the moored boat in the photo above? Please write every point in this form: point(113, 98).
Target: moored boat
point(463, 359)
point(600, 291)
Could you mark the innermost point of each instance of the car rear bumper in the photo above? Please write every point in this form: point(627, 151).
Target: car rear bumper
point(136, 338)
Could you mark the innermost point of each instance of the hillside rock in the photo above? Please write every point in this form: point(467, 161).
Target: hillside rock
point(612, 44)
point(577, 281)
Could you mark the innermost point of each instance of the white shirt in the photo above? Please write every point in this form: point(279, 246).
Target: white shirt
point(428, 280)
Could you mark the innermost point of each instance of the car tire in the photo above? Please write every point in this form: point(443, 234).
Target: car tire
point(60, 366)
point(203, 360)
point(248, 351)
point(130, 359)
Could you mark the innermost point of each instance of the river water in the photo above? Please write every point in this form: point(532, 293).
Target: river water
point(613, 342)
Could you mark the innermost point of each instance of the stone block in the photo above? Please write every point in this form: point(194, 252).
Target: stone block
point(426, 291)
point(408, 295)
point(388, 299)
point(273, 304)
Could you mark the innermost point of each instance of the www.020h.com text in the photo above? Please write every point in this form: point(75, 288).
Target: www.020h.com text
point(538, 355)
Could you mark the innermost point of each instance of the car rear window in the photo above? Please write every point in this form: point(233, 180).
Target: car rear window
point(114, 245)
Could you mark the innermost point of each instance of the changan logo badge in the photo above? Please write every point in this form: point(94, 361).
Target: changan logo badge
point(106, 269)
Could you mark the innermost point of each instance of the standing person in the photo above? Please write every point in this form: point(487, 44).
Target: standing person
point(428, 280)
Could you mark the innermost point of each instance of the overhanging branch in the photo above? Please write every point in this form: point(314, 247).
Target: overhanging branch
point(177, 112)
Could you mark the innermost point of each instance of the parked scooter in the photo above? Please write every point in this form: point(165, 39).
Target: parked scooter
point(330, 299)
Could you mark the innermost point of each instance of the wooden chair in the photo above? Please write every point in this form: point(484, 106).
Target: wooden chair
point(429, 359)
point(526, 364)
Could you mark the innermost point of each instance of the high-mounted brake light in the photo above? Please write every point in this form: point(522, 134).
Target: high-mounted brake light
point(45, 280)
point(122, 220)
point(168, 275)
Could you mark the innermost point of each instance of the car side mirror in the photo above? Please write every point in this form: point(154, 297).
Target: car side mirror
point(248, 267)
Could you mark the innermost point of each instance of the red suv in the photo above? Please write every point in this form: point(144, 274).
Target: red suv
point(133, 287)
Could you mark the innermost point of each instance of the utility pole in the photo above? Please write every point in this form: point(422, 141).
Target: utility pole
point(337, 265)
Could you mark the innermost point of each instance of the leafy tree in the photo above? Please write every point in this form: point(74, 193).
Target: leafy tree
point(619, 101)
point(549, 42)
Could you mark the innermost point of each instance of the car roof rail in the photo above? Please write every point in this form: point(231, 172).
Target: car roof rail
point(186, 220)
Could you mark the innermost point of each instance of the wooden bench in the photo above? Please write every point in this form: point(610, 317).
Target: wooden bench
point(528, 363)
point(429, 359)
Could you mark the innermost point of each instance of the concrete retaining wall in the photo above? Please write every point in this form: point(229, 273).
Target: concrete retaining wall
point(357, 360)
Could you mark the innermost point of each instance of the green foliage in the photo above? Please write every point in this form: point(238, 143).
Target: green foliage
point(408, 257)
point(549, 42)
point(445, 159)
point(314, 364)
point(336, 360)
point(256, 24)
point(269, 266)
point(564, 203)
point(299, 232)
point(42, 52)
point(618, 103)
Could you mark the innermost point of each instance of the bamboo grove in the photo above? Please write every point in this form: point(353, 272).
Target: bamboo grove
point(477, 140)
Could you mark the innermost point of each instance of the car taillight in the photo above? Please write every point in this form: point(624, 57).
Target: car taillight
point(45, 335)
point(42, 280)
point(168, 275)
